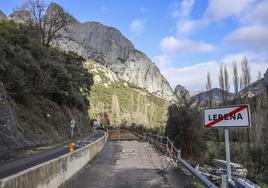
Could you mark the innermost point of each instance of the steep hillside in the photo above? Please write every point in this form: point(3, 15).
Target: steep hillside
point(41, 90)
point(114, 101)
point(203, 97)
point(253, 89)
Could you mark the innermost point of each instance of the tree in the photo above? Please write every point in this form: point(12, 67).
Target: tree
point(235, 78)
point(221, 81)
point(208, 87)
point(246, 77)
point(226, 81)
point(47, 21)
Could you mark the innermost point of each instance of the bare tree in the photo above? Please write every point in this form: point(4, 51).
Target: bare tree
point(208, 87)
point(246, 77)
point(235, 78)
point(221, 81)
point(241, 83)
point(226, 84)
point(47, 21)
point(226, 79)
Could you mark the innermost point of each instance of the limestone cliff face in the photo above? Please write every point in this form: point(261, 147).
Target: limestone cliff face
point(182, 94)
point(115, 102)
point(106, 45)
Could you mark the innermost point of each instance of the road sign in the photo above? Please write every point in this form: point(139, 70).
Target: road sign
point(227, 116)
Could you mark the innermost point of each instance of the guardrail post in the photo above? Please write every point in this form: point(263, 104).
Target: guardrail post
point(178, 155)
point(167, 146)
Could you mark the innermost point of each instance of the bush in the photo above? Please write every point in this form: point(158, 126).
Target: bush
point(28, 68)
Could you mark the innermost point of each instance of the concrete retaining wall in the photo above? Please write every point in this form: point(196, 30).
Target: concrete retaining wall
point(53, 173)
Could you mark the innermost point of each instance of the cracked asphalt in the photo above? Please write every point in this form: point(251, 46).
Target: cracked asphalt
point(129, 164)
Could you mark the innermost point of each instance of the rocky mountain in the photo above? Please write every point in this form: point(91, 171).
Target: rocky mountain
point(115, 102)
point(107, 46)
point(253, 89)
point(182, 94)
point(203, 97)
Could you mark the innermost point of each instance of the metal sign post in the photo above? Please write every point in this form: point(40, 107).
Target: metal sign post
point(72, 128)
point(228, 158)
point(226, 117)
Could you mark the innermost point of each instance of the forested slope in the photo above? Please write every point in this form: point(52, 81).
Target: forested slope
point(41, 90)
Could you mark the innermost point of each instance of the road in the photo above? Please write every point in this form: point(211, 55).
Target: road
point(129, 164)
point(24, 163)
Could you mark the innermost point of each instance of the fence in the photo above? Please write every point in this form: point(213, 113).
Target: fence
point(166, 145)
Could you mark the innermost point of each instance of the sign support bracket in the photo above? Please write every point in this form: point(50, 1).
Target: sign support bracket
point(227, 150)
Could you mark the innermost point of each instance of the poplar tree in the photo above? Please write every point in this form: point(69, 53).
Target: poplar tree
point(235, 78)
point(208, 87)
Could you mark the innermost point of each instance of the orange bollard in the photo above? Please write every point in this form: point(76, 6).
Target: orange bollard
point(72, 147)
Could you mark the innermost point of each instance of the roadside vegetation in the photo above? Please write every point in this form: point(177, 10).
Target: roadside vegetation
point(45, 87)
point(249, 147)
point(29, 69)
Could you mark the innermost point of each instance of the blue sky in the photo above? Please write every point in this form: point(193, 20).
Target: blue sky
point(185, 38)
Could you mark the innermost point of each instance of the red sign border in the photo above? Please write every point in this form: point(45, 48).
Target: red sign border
point(230, 106)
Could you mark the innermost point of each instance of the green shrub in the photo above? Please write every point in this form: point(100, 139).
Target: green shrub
point(29, 68)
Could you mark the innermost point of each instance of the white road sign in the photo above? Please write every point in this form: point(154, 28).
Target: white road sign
point(227, 116)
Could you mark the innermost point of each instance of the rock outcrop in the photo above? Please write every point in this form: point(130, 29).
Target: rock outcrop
point(182, 94)
point(216, 94)
point(2, 16)
point(106, 45)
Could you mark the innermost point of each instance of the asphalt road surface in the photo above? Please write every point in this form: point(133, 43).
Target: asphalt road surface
point(15, 166)
point(129, 164)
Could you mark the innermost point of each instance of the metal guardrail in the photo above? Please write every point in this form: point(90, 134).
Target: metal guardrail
point(166, 145)
point(175, 154)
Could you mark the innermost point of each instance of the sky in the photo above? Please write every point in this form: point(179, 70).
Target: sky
point(185, 38)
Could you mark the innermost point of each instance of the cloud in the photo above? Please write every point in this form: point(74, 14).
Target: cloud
point(220, 9)
point(194, 77)
point(162, 61)
point(137, 26)
point(257, 15)
point(253, 37)
point(182, 10)
point(171, 45)
point(186, 27)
